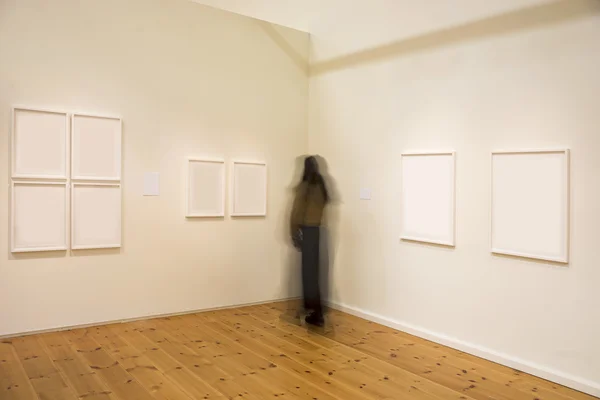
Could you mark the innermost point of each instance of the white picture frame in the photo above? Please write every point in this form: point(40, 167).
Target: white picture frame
point(105, 150)
point(256, 191)
point(60, 208)
point(57, 125)
point(530, 204)
point(209, 203)
point(101, 217)
point(428, 197)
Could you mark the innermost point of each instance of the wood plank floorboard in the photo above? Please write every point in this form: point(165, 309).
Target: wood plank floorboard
point(255, 353)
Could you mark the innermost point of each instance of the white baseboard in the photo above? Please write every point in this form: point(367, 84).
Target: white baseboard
point(141, 318)
point(583, 385)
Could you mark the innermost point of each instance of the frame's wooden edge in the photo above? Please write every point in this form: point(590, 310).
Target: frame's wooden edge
point(18, 107)
point(529, 256)
point(39, 183)
point(105, 184)
point(242, 162)
point(568, 205)
point(530, 151)
point(92, 115)
point(16, 177)
point(96, 179)
point(21, 250)
point(205, 215)
point(427, 241)
point(99, 247)
point(207, 160)
point(428, 153)
point(49, 178)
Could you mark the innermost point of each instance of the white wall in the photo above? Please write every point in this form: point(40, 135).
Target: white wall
point(187, 80)
point(528, 79)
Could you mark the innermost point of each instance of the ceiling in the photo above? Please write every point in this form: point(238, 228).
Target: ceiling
point(315, 16)
point(342, 26)
point(297, 14)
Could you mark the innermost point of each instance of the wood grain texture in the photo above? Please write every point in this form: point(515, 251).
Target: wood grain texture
point(254, 353)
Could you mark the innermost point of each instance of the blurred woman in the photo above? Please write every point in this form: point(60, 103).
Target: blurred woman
point(310, 200)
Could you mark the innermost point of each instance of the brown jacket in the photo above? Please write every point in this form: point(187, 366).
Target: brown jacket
point(308, 207)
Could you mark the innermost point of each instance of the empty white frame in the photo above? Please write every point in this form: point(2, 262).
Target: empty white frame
point(205, 188)
point(249, 186)
point(39, 144)
point(96, 148)
point(38, 216)
point(428, 197)
point(530, 204)
point(95, 216)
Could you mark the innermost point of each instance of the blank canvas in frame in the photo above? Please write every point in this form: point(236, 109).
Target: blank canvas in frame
point(530, 204)
point(39, 216)
point(96, 216)
point(39, 144)
point(249, 197)
point(428, 199)
point(205, 189)
point(96, 148)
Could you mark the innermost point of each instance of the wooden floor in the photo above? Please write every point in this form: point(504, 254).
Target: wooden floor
point(254, 353)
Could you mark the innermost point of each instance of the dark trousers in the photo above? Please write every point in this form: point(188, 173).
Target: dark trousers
point(310, 269)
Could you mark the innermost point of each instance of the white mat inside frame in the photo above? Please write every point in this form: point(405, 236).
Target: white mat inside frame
point(530, 204)
point(428, 197)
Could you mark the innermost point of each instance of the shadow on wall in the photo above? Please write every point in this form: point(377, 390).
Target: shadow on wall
point(329, 232)
point(297, 58)
point(519, 20)
point(291, 277)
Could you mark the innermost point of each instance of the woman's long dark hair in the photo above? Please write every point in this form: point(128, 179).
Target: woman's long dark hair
point(313, 176)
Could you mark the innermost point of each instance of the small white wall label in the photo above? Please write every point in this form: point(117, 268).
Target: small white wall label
point(365, 194)
point(151, 184)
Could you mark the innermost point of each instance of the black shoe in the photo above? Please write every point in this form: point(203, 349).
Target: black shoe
point(316, 320)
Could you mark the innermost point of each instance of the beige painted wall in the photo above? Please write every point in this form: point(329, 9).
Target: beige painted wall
point(529, 79)
point(187, 80)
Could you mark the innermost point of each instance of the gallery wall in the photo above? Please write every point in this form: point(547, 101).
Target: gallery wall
point(523, 80)
point(187, 81)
